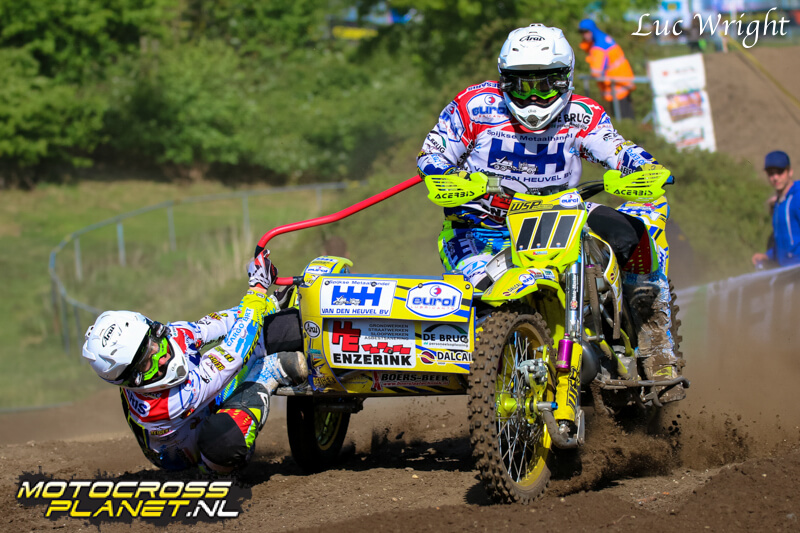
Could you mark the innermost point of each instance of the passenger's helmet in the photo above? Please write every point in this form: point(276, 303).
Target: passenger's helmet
point(132, 351)
point(536, 67)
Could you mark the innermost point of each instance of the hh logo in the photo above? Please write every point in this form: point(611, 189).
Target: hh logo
point(521, 160)
point(352, 296)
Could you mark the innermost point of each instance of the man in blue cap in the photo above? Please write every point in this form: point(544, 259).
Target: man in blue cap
point(785, 205)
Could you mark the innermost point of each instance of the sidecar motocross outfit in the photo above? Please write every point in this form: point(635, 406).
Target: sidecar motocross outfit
point(477, 133)
point(211, 420)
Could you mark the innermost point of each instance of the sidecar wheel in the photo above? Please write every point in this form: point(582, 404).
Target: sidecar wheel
point(316, 436)
point(510, 442)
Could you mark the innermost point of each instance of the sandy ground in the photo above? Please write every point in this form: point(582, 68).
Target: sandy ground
point(751, 115)
point(727, 458)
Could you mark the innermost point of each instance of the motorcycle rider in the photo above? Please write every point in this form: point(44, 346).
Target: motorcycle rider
point(532, 131)
point(188, 408)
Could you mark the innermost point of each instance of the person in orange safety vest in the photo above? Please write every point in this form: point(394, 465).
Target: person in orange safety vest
point(606, 60)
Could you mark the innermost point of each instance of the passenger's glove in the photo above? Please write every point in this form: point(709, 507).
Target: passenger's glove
point(261, 271)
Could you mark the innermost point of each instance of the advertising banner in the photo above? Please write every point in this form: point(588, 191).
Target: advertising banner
point(680, 102)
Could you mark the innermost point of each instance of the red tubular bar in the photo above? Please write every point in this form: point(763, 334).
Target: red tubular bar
point(327, 219)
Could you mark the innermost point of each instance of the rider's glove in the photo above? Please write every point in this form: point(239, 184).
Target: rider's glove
point(261, 271)
point(463, 174)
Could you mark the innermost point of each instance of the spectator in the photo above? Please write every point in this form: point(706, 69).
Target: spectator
point(609, 66)
point(694, 36)
point(785, 213)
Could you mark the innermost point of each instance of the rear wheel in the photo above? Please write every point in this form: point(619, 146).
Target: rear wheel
point(510, 442)
point(316, 434)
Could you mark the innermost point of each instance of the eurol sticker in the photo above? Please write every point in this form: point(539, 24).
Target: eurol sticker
point(433, 300)
point(571, 199)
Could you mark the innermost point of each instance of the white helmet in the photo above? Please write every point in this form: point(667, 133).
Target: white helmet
point(536, 67)
point(132, 351)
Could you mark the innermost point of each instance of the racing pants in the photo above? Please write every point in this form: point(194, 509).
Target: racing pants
point(227, 437)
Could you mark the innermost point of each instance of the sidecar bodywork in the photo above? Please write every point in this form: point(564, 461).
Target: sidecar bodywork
point(372, 335)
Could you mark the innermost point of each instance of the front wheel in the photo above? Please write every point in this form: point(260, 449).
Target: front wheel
point(510, 442)
point(316, 434)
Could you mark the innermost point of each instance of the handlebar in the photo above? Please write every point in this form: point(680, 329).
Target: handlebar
point(590, 188)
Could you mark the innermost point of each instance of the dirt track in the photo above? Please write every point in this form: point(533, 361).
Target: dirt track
point(728, 459)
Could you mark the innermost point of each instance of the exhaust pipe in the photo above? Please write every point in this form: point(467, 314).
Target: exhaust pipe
point(590, 363)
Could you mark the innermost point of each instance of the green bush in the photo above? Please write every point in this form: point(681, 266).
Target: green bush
point(42, 121)
point(182, 105)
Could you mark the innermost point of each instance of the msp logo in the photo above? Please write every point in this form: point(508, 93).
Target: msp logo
point(111, 500)
point(433, 300)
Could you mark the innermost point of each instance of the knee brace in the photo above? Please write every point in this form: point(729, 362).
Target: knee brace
point(228, 437)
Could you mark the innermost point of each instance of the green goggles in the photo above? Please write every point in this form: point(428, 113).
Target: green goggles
point(543, 84)
point(145, 365)
point(156, 350)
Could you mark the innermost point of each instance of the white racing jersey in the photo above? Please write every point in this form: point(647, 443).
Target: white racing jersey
point(477, 133)
point(166, 422)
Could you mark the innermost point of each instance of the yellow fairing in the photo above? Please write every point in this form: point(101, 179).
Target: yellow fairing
point(545, 229)
point(517, 283)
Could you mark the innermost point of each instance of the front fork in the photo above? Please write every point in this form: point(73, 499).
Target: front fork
point(570, 350)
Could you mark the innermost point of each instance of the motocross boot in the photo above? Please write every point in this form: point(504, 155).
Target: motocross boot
point(649, 298)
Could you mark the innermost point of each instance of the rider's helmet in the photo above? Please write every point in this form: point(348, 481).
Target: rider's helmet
point(132, 351)
point(536, 67)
